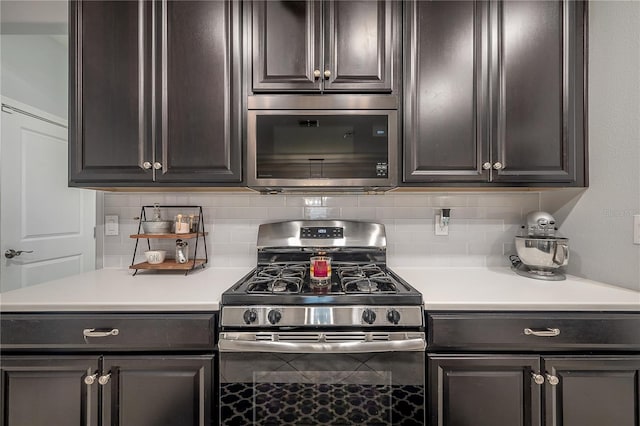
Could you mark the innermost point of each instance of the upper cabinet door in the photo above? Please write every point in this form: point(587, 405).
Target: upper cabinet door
point(198, 92)
point(332, 46)
point(361, 45)
point(538, 89)
point(109, 84)
point(445, 66)
point(287, 45)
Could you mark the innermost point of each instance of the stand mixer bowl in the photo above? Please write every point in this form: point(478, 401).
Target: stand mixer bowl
point(543, 254)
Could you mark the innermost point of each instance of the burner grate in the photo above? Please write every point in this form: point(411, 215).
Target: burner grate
point(283, 279)
point(365, 279)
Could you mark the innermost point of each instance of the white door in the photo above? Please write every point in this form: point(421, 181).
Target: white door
point(39, 213)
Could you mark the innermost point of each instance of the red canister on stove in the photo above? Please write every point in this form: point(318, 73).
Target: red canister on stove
point(320, 269)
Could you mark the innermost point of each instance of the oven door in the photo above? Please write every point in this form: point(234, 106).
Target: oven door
point(322, 378)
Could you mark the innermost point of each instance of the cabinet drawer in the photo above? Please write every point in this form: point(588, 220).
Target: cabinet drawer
point(533, 331)
point(107, 332)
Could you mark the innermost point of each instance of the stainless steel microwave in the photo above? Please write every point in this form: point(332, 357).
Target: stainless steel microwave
point(320, 149)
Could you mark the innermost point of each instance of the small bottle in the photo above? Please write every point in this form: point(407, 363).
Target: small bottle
point(182, 224)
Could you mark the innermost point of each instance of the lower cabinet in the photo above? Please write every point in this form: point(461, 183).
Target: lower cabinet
point(533, 369)
point(107, 390)
point(483, 390)
point(593, 391)
point(496, 390)
point(45, 390)
point(106, 369)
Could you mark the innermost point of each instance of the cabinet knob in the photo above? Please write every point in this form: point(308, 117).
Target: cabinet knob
point(486, 165)
point(317, 73)
point(157, 165)
point(327, 74)
point(146, 165)
point(538, 379)
point(103, 380)
point(553, 380)
point(89, 380)
point(498, 165)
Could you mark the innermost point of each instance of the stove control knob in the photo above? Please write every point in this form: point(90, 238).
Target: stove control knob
point(250, 316)
point(393, 316)
point(368, 316)
point(274, 316)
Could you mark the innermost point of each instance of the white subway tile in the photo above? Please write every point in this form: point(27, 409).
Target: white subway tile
point(303, 201)
point(376, 200)
point(313, 213)
point(267, 200)
point(359, 213)
point(340, 201)
point(410, 200)
point(241, 213)
point(285, 213)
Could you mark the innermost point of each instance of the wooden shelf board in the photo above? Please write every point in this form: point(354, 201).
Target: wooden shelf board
point(169, 236)
point(169, 264)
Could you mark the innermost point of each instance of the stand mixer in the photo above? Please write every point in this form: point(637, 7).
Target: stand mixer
point(540, 252)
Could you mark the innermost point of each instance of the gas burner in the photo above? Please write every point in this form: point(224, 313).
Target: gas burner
point(367, 286)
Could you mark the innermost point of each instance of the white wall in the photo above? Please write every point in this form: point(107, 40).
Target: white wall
point(599, 220)
point(34, 71)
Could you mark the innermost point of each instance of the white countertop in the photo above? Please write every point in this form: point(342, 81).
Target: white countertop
point(481, 289)
point(119, 290)
point(500, 289)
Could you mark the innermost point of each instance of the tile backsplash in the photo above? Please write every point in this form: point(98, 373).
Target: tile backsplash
point(481, 229)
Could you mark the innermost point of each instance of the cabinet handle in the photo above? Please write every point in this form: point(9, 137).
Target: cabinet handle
point(553, 380)
point(327, 74)
point(317, 73)
point(549, 332)
point(538, 379)
point(146, 165)
point(89, 380)
point(103, 380)
point(157, 165)
point(92, 332)
point(486, 165)
point(498, 165)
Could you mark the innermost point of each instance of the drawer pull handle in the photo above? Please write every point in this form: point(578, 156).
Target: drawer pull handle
point(92, 332)
point(549, 332)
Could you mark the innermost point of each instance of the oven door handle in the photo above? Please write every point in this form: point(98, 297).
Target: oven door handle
point(236, 345)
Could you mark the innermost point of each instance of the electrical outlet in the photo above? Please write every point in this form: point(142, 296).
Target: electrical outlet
point(111, 225)
point(636, 229)
point(440, 230)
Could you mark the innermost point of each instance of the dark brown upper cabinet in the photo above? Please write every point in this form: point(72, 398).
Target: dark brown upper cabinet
point(325, 46)
point(495, 93)
point(155, 93)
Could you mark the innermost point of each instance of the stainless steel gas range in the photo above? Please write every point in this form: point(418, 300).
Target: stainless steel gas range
point(322, 332)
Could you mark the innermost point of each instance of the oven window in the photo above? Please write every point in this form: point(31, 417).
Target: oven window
point(325, 389)
point(322, 146)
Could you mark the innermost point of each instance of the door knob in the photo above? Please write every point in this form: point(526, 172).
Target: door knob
point(157, 165)
point(498, 165)
point(317, 73)
point(11, 253)
point(486, 165)
point(146, 165)
point(327, 74)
